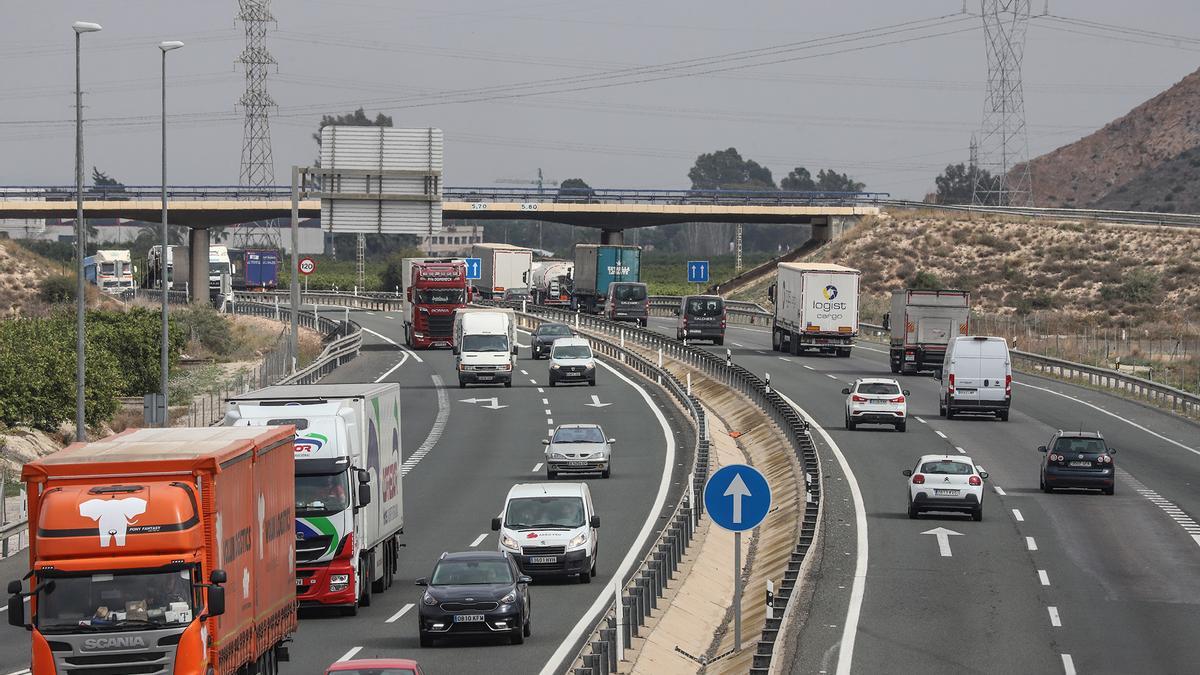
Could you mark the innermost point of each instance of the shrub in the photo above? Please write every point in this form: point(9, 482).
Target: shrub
point(925, 280)
point(206, 326)
point(135, 339)
point(57, 289)
point(1139, 286)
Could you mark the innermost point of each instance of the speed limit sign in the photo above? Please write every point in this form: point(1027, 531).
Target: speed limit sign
point(307, 266)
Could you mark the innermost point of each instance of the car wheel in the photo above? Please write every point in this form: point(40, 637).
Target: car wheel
point(1110, 490)
point(592, 382)
point(1046, 488)
point(585, 577)
point(912, 510)
point(850, 424)
point(895, 366)
point(719, 341)
point(901, 426)
point(528, 629)
point(518, 636)
point(425, 640)
point(606, 473)
point(977, 514)
point(949, 413)
point(550, 474)
point(776, 341)
point(552, 383)
point(462, 385)
point(941, 410)
point(1003, 415)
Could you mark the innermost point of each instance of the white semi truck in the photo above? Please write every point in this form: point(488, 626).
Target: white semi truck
point(349, 496)
point(502, 267)
point(816, 308)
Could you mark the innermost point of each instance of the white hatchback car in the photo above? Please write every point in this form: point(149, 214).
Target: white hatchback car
point(945, 483)
point(876, 400)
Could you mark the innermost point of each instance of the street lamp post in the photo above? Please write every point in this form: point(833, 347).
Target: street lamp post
point(80, 27)
point(164, 362)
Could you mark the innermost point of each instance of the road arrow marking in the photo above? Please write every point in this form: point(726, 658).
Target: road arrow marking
point(596, 402)
point(493, 402)
point(737, 489)
point(943, 539)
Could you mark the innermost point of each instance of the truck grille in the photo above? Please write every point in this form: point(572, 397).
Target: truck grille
point(312, 548)
point(441, 326)
point(543, 550)
point(487, 369)
point(147, 663)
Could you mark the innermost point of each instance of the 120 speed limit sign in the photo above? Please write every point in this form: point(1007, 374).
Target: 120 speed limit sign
point(307, 266)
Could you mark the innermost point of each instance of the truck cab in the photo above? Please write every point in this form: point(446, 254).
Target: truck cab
point(435, 291)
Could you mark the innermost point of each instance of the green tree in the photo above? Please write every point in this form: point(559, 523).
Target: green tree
point(956, 185)
point(358, 118)
point(392, 276)
point(134, 339)
point(726, 170)
point(798, 180)
point(575, 188)
point(829, 180)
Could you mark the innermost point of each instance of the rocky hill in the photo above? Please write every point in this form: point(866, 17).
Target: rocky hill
point(1125, 152)
point(21, 272)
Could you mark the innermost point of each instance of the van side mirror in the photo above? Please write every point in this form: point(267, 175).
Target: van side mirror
point(514, 350)
point(906, 472)
point(771, 292)
point(495, 524)
point(845, 390)
point(595, 522)
point(907, 392)
point(1112, 451)
point(421, 581)
point(545, 441)
point(216, 601)
point(217, 577)
point(1042, 448)
point(611, 441)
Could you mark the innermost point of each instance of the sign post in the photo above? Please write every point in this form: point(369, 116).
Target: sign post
point(737, 498)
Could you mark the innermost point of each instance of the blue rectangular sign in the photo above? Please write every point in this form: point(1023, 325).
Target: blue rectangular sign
point(697, 271)
point(474, 268)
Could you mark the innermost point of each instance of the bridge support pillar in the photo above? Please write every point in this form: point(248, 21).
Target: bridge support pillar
point(612, 237)
point(198, 276)
point(829, 228)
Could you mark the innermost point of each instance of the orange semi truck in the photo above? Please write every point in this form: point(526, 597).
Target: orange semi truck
point(166, 551)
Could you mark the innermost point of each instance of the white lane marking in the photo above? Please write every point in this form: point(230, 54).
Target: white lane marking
point(396, 617)
point(435, 433)
point(524, 372)
point(858, 588)
point(540, 391)
point(395, 344)
point(939, 433)
point(979, 467)
point(537, 467)
point(805, 367)
point(1043, 577)
point(548, 411)
point(1054, 620)
point(832, 377)
point(545, 401)
point(550, 421)
point(783, 359)
point(736, 344)
point(760, 352)
point(371, 313)
point(521, 345)
point(478, 540)
point(388, 316)
point(1030, 544)
point(870, 349)
point(1017, 514)
point(567, 648)
point(1197, 538)
point(24, 671)
point(353, 650)
point(532, 381)
point(1068, 664)
point(1114, 415)
point(403, 358)
point(959, 448)
point(999, 490)
point(1174, 512)
point(920, 419)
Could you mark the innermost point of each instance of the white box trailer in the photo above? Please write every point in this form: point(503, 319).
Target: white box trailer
point(502, 266)
point(922, 323)
point(816, 308)
point(347, 438)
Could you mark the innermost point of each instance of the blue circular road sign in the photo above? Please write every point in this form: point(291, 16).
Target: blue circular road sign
point(737, 497)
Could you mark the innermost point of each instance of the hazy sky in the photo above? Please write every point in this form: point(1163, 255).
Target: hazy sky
point(891, 116)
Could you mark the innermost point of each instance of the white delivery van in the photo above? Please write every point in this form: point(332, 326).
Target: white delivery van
point(485, 343)
point(551, 529)
point(976, 376)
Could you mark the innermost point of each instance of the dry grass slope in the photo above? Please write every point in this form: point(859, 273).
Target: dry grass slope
point(20, 274)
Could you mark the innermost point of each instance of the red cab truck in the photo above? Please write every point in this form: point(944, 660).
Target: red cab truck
point(161, 551)
point(435, 291)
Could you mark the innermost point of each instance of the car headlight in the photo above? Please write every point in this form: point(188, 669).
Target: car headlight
point(579, 540)
point(338, 582)
point(591, 366)
point(508, 599)
point(508, 542)
point(428, 599)
point(557, 455)
point(553, 366)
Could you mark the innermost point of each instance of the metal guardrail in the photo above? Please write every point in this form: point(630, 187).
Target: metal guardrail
point(1101, 215)
point(380, 301)
point(16, 528)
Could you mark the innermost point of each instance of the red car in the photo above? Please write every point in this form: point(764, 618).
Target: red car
point(375, 667)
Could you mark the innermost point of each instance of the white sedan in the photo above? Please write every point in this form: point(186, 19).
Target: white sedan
point(876, 400)
point(945, 483)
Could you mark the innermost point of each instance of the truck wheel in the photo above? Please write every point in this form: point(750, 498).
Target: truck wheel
point(1003, 415)
point(350, 610)
point(592, 382)
point(517, 637)
point(776, 341)
point(895, 365)
point(793, 344)
point(719, 341)
point(462, 384)
point(552, 382)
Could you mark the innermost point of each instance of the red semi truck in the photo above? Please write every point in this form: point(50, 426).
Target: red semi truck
point(161, 550)
point(436, 290)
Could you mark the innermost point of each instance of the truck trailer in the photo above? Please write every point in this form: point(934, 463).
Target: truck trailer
point(816, 308)
point(501, 267)
point(596, 267)
point(347, 440)
point(550, 282)
point(161, 551)
point(922, 323)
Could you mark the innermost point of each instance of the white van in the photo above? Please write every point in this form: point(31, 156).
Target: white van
point(485, 346)
point(550, 529)
point(976, 376)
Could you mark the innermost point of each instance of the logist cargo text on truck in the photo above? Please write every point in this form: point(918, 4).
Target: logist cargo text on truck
point(816, 307)
point(161, 551)
point(922, 323)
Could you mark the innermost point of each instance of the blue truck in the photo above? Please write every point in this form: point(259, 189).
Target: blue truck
point(608, 281)
point(258, 269)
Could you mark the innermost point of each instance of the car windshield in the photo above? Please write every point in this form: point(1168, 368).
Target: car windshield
point(1094, 446)
point(467, 572)
point(108, 268)
point(485, 343)
point(553, 329)
point(705, 307)
point(216, 267)
point(573, 352)
point(544, 512)
point(439, 296)
point(878, 388)
point(67, 604)
point(947, 467)
point(579, 435)
point(630, 293)
point(322, 494)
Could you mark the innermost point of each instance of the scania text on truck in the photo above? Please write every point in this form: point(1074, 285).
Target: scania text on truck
point(111, 271)
point(922, 323)
point(816, 308)
point(596, 267)
point(550, 282)
point(501, 267)
point(347, 440)
point(485, 346)
point(161, 551)
point(433, 293)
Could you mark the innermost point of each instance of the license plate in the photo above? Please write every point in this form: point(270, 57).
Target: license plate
point(543, 559)
point(946, 493)
point(1082, 464)
point(467, 618)
point(573, 374)
point(576, 463)
point(909, 357)
point(486, 377)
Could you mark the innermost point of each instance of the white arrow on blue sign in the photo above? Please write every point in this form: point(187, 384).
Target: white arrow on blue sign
point(737, 497)
point(697, 271)
point(474, 268)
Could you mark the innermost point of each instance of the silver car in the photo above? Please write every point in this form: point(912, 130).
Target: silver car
point(578, 448)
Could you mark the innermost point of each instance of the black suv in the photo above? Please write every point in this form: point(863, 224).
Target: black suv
point(544, 336)
point(1078, 459)
point(474, 593)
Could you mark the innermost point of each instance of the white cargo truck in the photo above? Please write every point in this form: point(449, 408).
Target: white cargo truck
point(502, 267)
point(485, 344)
point(816, 308)
point(922, 323)
point(349, 497)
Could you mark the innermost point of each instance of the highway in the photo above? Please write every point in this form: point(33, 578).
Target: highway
point(460, 459)
point(1063, 582)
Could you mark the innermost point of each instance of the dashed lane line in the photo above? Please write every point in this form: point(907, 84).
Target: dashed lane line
point(396, 617)
point(1173, 512)
point(350, 654)
point(537, 467)
point(1030, 544)
point(830, 376)
point(478, 540)
point(545, 401)
point(999, 490)
point(1068, 664)
point(1054, 618)
point(524, 372)
point(550, 421)
point(1017, 514)
point(1043, 577)
point(920, 419)
point(939, 433)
